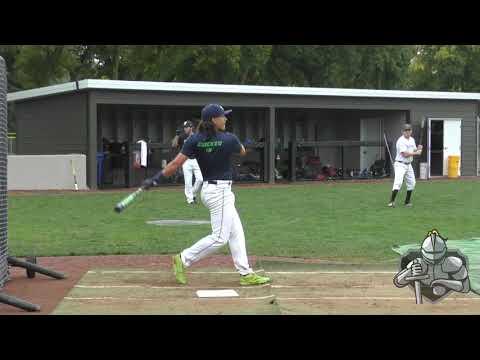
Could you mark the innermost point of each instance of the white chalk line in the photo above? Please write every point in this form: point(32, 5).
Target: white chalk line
point(234, 272)
point(107, 298)
point(145, 299)
point(329, 272)
point(164, 287)
point(240, 298)
point(347, 298)
point(160, 272)
point(206, 288)
point(306, 286)
point(370, 298)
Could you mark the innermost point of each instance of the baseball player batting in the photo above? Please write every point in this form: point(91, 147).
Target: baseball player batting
point(406, 150)
point(213, 148)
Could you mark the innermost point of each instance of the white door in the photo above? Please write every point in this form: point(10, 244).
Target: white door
point(370, 130)
point(452, 141)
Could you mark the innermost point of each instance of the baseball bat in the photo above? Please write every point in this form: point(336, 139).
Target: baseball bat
point(74, 175)
point(388, 149)
point(125, 202)
point(422, 132)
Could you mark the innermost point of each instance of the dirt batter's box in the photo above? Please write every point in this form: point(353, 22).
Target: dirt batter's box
point(297, 288)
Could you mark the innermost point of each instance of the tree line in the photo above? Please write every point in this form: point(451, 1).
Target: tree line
point(390, 67)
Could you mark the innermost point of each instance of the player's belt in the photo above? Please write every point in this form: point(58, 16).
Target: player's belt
point(403, 162)
point(218, 182)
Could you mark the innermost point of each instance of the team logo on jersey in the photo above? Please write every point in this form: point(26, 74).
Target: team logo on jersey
point(433, 271)
point(209, 146)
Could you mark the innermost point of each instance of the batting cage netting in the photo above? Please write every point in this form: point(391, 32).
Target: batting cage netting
point(3, 175)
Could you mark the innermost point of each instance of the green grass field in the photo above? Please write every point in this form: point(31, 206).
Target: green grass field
point(336, 221)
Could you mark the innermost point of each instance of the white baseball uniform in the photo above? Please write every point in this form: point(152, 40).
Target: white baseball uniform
point(214, 157)
point(190, 168)
point(226, 227)
point(403, 165)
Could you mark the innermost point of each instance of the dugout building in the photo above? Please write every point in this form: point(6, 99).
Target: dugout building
point(294, 133)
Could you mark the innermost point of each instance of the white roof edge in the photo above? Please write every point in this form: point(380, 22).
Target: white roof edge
point(43, 91)
point(235, 89)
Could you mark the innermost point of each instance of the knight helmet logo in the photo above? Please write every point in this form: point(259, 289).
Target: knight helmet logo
point(433, 271)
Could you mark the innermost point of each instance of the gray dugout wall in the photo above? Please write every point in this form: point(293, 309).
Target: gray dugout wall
point(254, 103)
point(52, 125)
point(333, 124)
point(130, 123)
point(465, 110)
point(68, 123)
point(118, 123)
point(159, 123)
point(415, 109)
point(398, 111)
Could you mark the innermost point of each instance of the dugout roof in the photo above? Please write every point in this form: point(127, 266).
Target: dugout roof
point(232, 89)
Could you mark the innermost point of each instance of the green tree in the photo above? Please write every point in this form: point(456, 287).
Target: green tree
point(238, 64)
point(347, 66)
point(253, 64)
point(108, 61)
point(10, 54)
point(375, 67)
point(157, 63)
point(382, 67)
point(284, 67)
point(446, 68)
point(210, 63)
point(43, 65)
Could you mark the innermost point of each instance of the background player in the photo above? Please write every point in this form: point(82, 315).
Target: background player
point(406, 150)
point(190, 167)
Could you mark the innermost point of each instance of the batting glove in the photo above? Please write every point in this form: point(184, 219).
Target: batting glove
point(153, 181)
point(148, 183)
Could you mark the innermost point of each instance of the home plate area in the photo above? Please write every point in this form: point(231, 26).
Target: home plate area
point(296, 289)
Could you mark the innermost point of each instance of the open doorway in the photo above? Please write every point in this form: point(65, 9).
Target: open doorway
point(371, 129)
point(444, 140)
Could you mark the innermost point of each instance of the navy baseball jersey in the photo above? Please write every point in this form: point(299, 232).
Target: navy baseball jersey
point(213, 155)
point(181, 140)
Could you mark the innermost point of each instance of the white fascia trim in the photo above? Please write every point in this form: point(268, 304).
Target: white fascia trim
point(271, 90)
point(43, 91)
point(235, 89)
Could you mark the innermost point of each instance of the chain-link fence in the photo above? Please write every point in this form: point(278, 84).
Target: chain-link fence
point(3, 175)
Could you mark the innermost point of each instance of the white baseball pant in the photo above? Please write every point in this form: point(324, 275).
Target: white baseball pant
point(190, 168)
point(226, 227)
point(404, 171)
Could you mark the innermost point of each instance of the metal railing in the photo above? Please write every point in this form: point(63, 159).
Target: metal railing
point(346, 166)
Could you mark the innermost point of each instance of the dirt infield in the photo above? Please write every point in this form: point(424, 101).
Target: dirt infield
point(145, 285)
point(48, 292)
